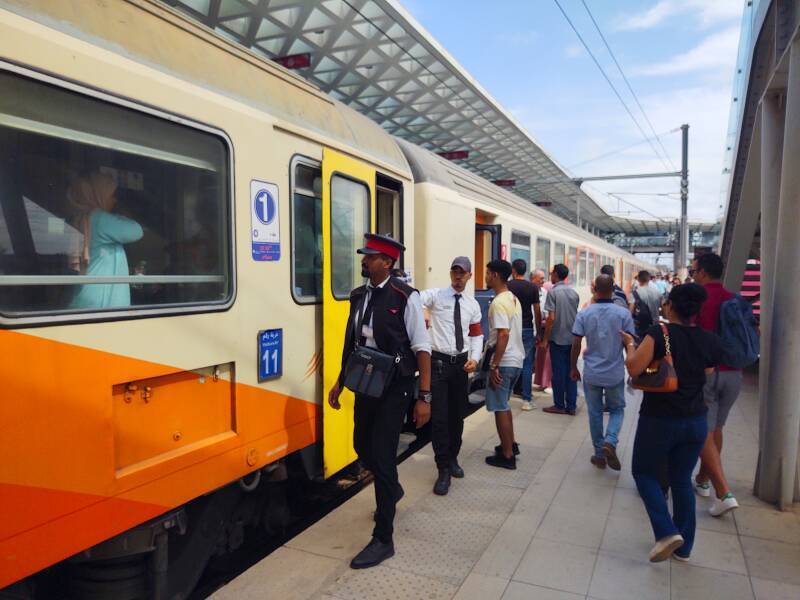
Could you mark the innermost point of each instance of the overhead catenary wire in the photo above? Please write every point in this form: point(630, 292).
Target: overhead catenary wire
point(627, 83)
point(618, 150)
point(610, 83)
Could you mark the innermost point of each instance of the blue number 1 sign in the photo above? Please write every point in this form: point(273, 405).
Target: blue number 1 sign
point(270, 354)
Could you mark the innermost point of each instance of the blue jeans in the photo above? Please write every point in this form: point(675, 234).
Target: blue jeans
point(496, 399)
point(565, 391)
point(676, 441)
point(615, 400)
point(528, 342)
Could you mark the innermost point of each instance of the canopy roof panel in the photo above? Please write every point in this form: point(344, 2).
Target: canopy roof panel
point(375, 57)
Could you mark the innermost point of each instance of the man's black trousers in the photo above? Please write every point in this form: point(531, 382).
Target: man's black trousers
point(378, 422)
point(449, 386)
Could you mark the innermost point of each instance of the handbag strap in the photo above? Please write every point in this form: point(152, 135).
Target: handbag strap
point(665, 333)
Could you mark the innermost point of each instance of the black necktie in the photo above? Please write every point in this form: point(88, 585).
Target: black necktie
point(457, 324)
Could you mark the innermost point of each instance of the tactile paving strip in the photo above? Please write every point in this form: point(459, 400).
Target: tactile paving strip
point(384, 583)
point(430, 559)
point(476, 467)
point(462, 537)
point(477, 502)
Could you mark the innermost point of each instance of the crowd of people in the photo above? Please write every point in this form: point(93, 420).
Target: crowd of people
point(662, 339)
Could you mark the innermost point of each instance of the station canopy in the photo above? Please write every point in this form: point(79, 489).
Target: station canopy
point(375, 57)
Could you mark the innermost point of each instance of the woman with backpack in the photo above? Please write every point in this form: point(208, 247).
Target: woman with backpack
point(672, 425)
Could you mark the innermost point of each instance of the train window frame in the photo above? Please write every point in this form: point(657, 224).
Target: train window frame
point(548, 265)
point(562, 257)
point(300, 159)
point(72, 317)
point(365, 185)
point(520, 246)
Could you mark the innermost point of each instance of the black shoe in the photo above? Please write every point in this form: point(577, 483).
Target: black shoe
point(455, 469)
point(611, 457)
point(373, 554)
point(514, 446)
point(501, 461)
point(442, 485)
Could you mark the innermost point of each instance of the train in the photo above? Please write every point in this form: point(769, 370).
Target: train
point(177, 235)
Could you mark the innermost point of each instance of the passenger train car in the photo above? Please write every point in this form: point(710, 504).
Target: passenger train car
point(177, 235)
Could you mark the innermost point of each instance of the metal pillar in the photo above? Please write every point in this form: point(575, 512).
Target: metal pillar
point(683, 256)
point(745, 222)
point(783, 410)
point(772, 123)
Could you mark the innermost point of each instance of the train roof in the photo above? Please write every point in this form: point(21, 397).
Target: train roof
point(429, 167)
point(172, 43)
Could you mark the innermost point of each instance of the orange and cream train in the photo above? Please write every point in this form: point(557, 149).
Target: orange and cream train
point(177, 235)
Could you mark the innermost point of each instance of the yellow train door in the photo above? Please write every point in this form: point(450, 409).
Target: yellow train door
point(348, 212)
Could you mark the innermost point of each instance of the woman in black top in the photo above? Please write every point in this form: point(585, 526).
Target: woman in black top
point(672, 426)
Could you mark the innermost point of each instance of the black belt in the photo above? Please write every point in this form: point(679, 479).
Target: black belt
point(449, 358)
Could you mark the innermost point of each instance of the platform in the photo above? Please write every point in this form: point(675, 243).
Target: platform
point(555, 529)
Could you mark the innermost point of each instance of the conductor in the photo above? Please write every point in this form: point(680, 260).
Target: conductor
point(389, 315)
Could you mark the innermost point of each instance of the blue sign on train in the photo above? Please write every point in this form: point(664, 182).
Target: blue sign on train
point(265, 224)
point(270, 354)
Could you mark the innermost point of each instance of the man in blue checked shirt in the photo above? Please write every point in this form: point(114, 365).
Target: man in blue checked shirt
point(603, 368)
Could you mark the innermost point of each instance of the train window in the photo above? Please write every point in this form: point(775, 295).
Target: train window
point(560, 253)
point(306, 232)
point(543, 254)
point(107, 208)
point(582, 267)
point(521, 248)
point(573, 263)
point(592, 266)
point(388, 206)
point(349, 223)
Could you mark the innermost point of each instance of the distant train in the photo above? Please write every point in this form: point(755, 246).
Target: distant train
point(177, 235)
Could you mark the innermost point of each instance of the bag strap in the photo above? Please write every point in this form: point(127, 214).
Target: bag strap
point(665, 333)
point(366, 307)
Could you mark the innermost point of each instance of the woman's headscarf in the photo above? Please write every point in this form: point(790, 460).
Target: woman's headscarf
point(86, 194)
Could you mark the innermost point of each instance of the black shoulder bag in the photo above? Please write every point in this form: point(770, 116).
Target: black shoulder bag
point(368, 370)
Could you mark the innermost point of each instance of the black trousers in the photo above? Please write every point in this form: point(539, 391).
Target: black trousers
point(449, 386)
point(378, 422)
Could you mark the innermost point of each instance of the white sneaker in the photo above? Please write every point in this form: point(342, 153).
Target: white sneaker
point(665, 547)
point(723, 505)
point(528, 405)
point(680, 558)
point(702, 489)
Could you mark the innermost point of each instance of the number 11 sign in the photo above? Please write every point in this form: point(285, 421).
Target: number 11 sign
point(270, 354)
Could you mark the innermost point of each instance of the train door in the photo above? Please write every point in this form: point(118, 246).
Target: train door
point(348, 212)
point(487, 248)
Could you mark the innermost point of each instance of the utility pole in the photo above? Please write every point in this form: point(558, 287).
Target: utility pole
point(683, 254)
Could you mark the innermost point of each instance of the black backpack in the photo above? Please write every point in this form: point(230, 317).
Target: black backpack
point(642, 318)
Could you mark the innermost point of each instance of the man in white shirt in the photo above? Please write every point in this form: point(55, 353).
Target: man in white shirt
point(505, 362)
point(456, 341)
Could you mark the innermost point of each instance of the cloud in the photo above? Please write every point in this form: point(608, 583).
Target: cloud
point(703, 12)
point(648, 19)
point(717, 51)
point(574, 50)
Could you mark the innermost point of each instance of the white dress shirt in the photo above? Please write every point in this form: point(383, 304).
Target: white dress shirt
point(413, 317)
point(441, 302)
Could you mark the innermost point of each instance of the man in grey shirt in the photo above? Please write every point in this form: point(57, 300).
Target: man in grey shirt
point(646, 295)
point(561, 307)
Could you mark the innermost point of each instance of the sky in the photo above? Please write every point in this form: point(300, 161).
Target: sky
point(678, 56)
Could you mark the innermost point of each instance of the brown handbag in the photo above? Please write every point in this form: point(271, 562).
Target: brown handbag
point(660, 375)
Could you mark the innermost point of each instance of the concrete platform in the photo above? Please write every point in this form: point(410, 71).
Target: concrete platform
point(555, 529)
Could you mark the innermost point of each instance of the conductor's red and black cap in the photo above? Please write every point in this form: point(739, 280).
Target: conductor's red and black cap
point(381, 244)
